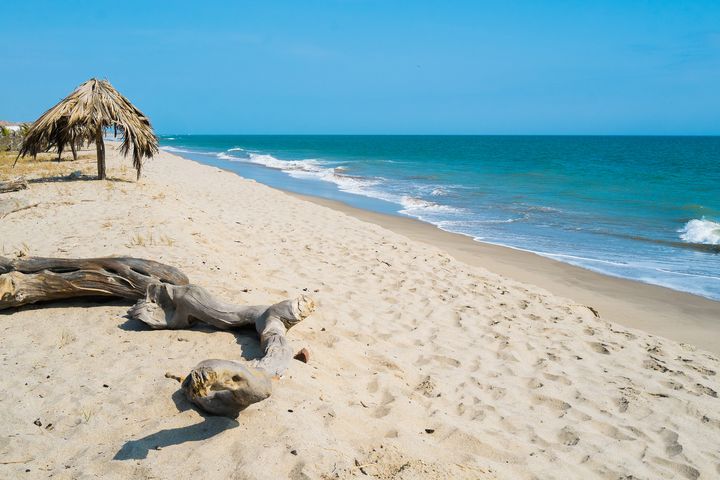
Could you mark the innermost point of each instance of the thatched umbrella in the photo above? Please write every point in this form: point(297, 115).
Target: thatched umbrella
point(84, 115)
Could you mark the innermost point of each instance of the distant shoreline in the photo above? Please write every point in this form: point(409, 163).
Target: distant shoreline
point(532, 195)
point(681, 316)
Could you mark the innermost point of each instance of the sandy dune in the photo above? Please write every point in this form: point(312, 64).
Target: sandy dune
point(422, 366)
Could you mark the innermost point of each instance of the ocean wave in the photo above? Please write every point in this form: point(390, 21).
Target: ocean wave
point(315, 169)
point(701, 231)
point(312, 169)
point(175, 150)
point(236, 149)
point(540, 208)
point(414, 205)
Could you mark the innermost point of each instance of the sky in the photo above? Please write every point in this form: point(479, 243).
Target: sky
point(376, 67)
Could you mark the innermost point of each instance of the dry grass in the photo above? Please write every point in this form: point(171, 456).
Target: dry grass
point(140, 240)
point(66, 338)
point(22, 251)
point(167, 240)
point(86, 414)
point(149, 239)
point(17, 251)
point(46, 165)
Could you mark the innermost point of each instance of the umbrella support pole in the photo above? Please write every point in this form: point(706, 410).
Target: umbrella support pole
point(100, 147)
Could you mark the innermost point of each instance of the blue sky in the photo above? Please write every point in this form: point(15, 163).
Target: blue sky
point(354, 66)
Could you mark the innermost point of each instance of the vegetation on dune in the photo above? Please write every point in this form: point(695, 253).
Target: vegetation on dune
point(9, 139)
point(46, 165)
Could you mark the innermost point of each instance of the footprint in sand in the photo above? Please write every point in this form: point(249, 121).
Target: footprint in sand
point(372, 386)
point(672, 447)
point(700, 388)
point(685, 470)
point(569, 437)
point(385, 408)
point(426, 387)
point(558, 378)
point(699, 368)
point(552, 403)
point(599, 347)
point(622, 404)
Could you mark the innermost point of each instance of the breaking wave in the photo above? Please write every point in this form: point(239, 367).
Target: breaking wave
point(319, 170)
point(701, 231)
point(176, 150)
point(308, 168)
point(414, 206)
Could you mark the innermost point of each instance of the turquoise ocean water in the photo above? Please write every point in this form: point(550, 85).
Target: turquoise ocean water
point(645, 208)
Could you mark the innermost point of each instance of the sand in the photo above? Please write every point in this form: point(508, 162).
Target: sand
point(422, 366)
point(683, 317)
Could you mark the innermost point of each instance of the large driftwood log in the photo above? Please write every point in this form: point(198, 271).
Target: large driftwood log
point(13, 185)
point(167, 301)
point(29, 280)
point(225, 387)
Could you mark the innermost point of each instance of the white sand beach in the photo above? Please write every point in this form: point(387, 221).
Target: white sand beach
point(424, 364)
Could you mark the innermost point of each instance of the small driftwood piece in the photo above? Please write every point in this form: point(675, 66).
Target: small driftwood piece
point(13, 185)
point(225, 387)
point(29, 280)
point(167, 301)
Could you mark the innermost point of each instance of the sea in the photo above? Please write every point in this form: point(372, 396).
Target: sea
point(643, 208)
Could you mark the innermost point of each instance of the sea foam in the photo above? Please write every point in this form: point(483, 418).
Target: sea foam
point(308, 168)
point(413, 205)
point(701, 231)
point(175, 150)
point(316, 169)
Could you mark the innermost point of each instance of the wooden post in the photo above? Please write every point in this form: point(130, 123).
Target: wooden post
point(100, 146)
point(73, 148)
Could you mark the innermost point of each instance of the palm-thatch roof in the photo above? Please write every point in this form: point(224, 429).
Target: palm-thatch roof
point(84, 115)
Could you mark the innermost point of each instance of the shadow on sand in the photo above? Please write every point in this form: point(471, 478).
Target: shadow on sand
point(209, 427)
point(85, 302)
point(74, 177)
point(246, 337)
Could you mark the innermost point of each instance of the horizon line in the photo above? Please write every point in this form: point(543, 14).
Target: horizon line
point(449, 134)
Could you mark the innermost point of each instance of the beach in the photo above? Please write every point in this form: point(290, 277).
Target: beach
point(432, 356)
point(640, 208)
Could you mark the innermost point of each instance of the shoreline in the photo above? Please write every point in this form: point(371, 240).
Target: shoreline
point(654, 242)
point(680, 316)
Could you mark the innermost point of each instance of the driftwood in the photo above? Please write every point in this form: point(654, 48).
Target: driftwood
point(167, 301)
point(219, 386)
point(13, 185)
point(29, 280)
